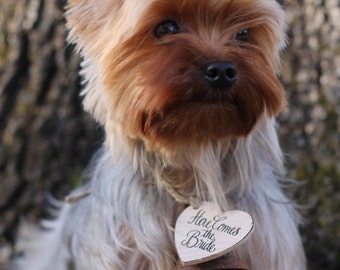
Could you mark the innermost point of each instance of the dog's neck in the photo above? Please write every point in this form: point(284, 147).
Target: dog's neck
point(217, 171)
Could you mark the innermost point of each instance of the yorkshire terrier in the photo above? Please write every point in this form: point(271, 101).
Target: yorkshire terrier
point(187, 92)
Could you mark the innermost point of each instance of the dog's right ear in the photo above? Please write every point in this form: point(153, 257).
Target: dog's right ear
point(86, 20)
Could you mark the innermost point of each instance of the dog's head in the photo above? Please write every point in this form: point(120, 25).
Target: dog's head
point(178, 72)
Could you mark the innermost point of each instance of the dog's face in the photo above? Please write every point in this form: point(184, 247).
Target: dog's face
point(177, 72)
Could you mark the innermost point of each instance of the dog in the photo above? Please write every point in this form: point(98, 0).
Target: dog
point(187, 92)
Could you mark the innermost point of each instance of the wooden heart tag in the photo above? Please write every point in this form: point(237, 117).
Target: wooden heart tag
point(206, 233)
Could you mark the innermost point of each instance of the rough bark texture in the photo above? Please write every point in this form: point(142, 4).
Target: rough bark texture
point(310, 129)
point(46, 139)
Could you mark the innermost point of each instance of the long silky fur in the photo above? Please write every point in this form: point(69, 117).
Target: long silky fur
point(124, 217)
point(121, 218)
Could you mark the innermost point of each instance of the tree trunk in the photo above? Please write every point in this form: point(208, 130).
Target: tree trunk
point(45, 137)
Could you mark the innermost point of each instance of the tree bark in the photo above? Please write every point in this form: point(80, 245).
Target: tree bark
point(45, 137)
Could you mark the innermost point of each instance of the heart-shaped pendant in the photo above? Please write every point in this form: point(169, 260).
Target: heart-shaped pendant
point(205, 233)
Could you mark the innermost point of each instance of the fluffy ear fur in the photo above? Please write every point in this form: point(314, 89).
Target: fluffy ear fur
point(85, 22)
point(92, 26)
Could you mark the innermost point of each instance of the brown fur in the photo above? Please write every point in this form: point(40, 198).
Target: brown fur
point(172, 137)
point(168, 110)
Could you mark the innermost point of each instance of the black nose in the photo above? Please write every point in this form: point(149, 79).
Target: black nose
point(220, 75)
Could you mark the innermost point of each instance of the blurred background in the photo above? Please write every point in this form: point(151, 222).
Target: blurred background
point(46, 139)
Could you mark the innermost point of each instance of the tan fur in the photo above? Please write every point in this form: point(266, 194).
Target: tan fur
point(171, 137)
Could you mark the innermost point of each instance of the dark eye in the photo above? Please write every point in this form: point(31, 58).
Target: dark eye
point(166, 28)
point(242, 35)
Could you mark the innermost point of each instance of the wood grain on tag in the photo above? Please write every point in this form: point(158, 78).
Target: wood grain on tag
point(206, 233)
